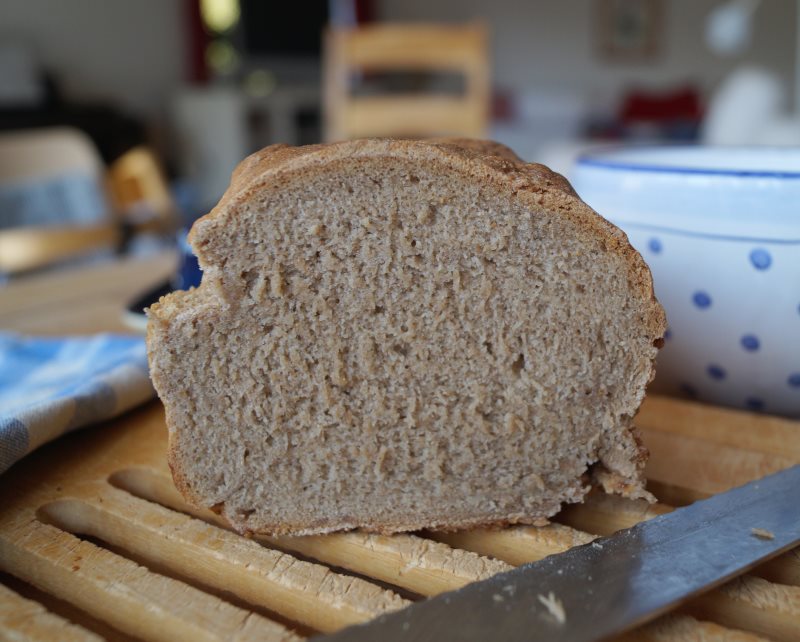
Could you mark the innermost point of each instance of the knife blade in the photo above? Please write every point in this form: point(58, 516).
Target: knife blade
point(615, 583)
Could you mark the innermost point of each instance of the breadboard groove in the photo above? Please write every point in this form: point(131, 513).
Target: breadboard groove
point(141, 514)
point(674, 494)
point(64, 610)
point(517, 545)
point(124, 594)
point(306, 593)
point(603, 514)
point(23, 619)
point(784, 569)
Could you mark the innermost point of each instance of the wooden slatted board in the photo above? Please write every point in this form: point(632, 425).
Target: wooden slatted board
point(95, 542)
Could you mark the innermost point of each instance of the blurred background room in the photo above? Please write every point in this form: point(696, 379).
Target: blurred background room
point(196, 85)
point(121, 121)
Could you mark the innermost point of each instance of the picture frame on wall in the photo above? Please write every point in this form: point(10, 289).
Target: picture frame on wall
point(629, 30)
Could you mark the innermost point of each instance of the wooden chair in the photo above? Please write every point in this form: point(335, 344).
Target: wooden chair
point(406, 48)
point(140, 193)
point(132, 194)
point(45, 157)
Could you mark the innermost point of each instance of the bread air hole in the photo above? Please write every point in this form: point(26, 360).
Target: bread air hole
point(518, 365)
point(400, 349)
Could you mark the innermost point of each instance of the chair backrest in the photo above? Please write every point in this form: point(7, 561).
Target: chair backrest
point(34, 154)
point(53, 203)
point(139, 190)
point(406, 48)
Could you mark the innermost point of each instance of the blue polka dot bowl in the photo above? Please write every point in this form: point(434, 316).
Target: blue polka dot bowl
point(720, 229)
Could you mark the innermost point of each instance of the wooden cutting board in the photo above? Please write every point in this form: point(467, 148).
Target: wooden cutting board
point(95, 542)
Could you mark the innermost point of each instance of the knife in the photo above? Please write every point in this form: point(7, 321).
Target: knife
point(615, 583)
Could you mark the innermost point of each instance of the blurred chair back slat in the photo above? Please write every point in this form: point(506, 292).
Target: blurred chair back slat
point(139, 190)
point(410, 116)
point(404, 48)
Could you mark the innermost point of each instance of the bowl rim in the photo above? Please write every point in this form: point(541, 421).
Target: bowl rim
point(602, 157)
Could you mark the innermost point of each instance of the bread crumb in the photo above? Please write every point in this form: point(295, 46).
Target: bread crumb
point(762, 534)
point(498, 598)
point(597, 545)
point(554, 606)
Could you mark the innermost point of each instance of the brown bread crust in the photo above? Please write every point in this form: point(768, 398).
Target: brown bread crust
point(492, 164)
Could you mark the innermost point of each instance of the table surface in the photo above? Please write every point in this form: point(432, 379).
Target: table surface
point(81, 300)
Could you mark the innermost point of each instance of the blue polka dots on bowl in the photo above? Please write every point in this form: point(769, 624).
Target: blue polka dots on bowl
point(701, 299)
point(733, 309)
point(754, 403)
point(750, 342)
point(760, 259)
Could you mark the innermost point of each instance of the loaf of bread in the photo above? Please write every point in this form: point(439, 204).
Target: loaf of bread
point(394, 335)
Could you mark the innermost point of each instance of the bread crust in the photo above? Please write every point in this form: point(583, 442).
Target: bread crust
point(492, 166)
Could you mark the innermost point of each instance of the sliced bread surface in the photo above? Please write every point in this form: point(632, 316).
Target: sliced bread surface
point(395, 335)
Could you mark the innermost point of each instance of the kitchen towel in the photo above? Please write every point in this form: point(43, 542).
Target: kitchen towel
point(50, 386)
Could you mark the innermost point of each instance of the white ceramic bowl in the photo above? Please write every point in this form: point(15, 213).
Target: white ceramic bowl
point(720, 229)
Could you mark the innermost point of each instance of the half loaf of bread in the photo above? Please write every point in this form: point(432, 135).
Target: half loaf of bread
point(396, 335)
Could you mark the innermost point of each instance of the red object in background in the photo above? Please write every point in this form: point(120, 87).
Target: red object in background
point(196, 43)
point(680, 105)
point(365, 11)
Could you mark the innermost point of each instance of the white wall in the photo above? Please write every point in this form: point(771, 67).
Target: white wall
point(550, 44)
point(130, 52)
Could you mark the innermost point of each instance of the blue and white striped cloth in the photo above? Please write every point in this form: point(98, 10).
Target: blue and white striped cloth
point(50, 386)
